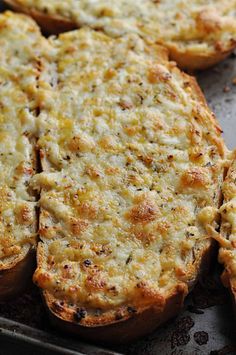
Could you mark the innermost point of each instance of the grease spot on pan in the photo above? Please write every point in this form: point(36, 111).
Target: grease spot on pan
point(201, 337)
point(181, 335)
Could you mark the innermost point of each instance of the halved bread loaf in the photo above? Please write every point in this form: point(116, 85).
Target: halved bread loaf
point(227, 253)
point(197, 33)
point(20, 41)
point(133, 163)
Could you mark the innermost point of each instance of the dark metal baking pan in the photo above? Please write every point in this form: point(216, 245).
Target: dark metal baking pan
point(17, 338)
point(206, 324)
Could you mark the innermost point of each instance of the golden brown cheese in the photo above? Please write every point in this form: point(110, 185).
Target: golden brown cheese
point(199, 26)
point(20, 42)
point(124, 206)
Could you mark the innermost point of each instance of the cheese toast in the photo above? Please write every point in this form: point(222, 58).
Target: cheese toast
point(197, 33)
point(20, 40)
point(227, 253)
point(133, 162)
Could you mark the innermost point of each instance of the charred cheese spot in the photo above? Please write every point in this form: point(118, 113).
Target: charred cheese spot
point(196, 178)
point(145, 295)
point(24, 215)
point(109, 74)
point(87, 210)
point(82, 144)
point(21, 169)
point(143, 212)
point(112, 171)
point(42, 279)
point(209, 21)
point(126, 105)
point(13, 250)
point(107, 143)
point(95, 283)
point(158, 73)
point(92, 172)
point(132, 130)
point(163, 227)
point(144, 236)
point(77, 226)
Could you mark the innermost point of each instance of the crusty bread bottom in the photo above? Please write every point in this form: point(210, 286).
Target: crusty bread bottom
point(124, 331)
point(15, 278)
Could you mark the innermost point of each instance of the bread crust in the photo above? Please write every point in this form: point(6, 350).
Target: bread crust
point(231, 285)
point(49, 24)
point(186, 59)
point(16, 275)
point(226, 244)
point(198, 61)
point(233, 294)
point(142, 323)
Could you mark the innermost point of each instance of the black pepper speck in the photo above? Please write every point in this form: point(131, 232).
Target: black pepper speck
point(201, 338)
point(80, 314)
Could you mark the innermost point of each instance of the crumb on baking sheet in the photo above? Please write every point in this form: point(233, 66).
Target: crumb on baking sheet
point(226, 89)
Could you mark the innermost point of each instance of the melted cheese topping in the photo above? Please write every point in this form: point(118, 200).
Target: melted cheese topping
point(199, 25)
point(19, 43)
point(227, 253)
point(132, 164)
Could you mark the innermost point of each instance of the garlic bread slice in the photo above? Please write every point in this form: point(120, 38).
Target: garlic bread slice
point(197, 33)
point(133, 162)
point(20, 43)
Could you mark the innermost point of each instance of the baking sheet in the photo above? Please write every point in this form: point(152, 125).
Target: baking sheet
point(206, 324)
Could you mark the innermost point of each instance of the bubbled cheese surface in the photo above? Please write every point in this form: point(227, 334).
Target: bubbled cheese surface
point(198, 25)
point(132, 165)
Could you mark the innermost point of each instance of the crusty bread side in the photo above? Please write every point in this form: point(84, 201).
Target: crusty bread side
point(49, 24)
point(197, 38)
point(227, 252)
point(132, 162)
point(199, 61)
